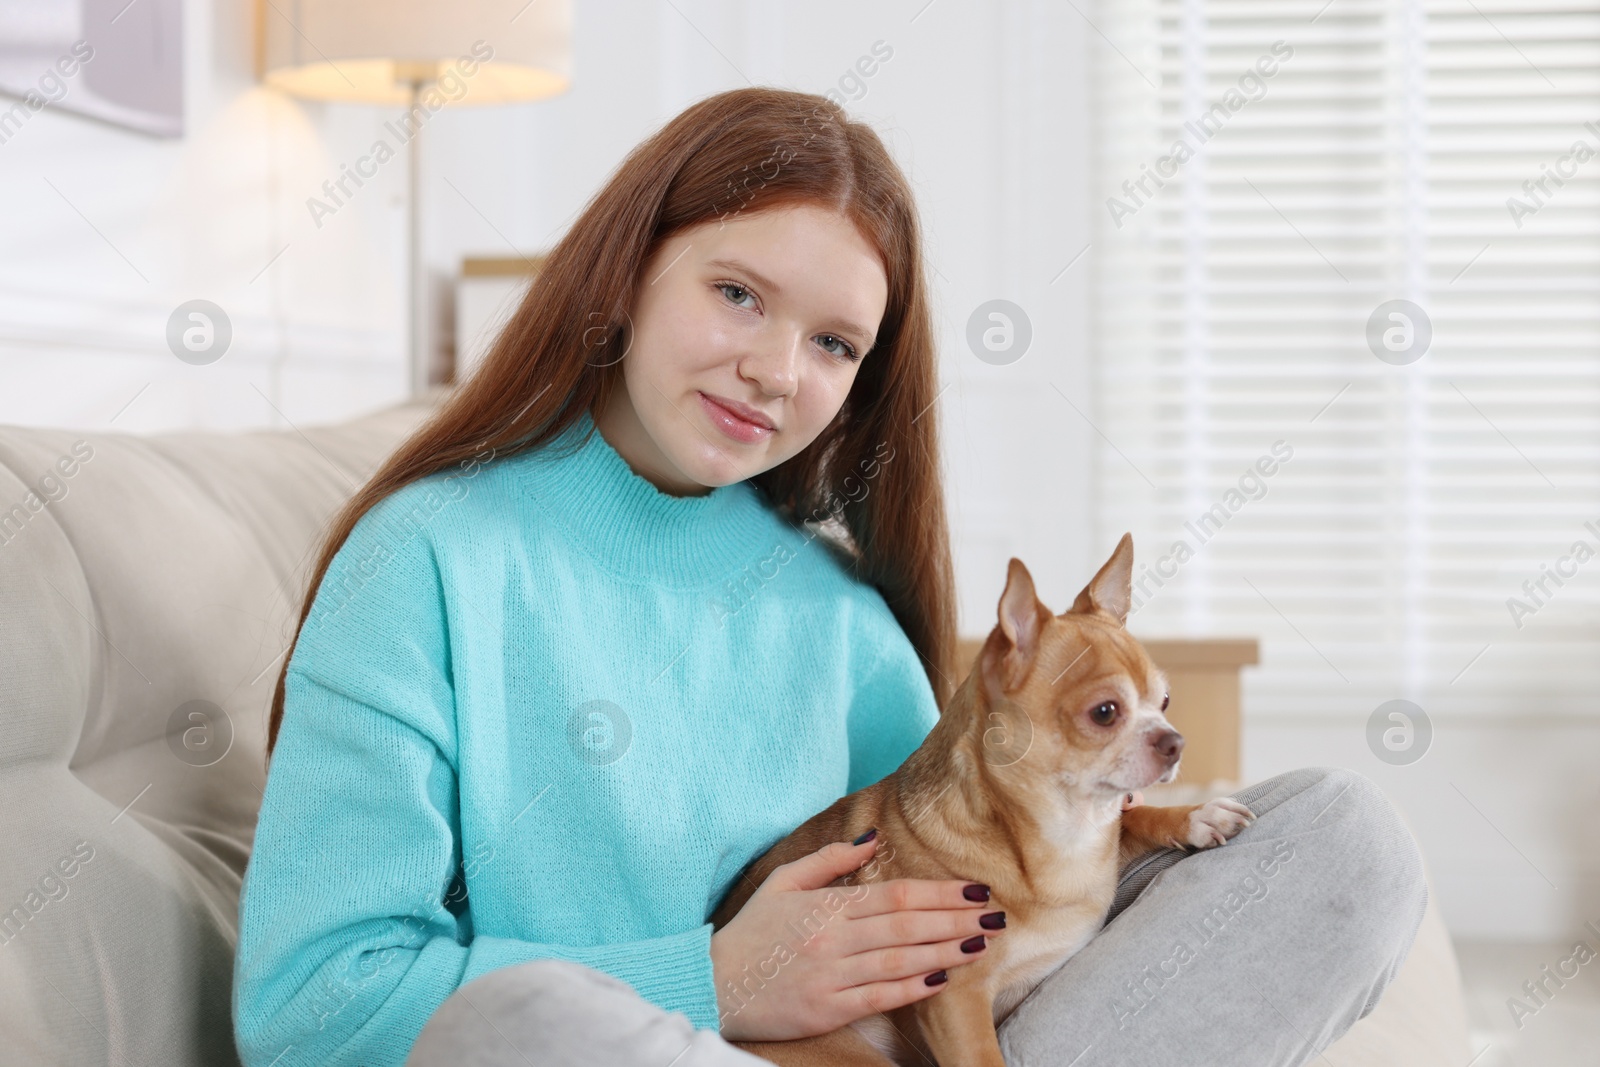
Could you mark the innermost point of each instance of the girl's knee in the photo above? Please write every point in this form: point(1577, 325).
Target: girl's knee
point(552, 989)
point(556, 974)
point(567, 1009)
point(1366, 814)
point(1368, 859)
point(1373, 868)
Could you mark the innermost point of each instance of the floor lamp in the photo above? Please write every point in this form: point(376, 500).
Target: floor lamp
point(427, 55)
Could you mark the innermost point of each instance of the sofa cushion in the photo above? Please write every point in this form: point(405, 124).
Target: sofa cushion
point(151, 584)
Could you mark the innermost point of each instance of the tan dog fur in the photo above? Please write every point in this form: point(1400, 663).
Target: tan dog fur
point(1018, 788)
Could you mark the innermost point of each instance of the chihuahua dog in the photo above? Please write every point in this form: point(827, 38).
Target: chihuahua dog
point(1021, 786)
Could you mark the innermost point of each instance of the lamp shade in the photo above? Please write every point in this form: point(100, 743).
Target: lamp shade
point(476, 51)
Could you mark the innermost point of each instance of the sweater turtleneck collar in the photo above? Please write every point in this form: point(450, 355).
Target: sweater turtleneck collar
point(621, 520)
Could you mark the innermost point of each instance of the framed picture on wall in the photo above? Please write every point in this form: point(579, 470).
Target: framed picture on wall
point(119, 61)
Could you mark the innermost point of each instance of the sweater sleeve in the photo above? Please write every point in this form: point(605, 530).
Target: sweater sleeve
point(892, 706)
point(353, 922)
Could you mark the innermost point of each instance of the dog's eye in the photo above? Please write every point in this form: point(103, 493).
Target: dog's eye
point(1105, 713)
point(1166, 698)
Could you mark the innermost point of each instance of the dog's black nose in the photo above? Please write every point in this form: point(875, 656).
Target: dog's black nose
point(1168, 745)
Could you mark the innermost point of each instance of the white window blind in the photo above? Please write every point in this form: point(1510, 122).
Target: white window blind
point(1442, 153)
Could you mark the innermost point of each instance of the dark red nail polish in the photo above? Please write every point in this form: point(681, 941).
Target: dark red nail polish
point(864, 838)
point(976, 892)
point(994, 920)
point(937, 978)
point(973, 943)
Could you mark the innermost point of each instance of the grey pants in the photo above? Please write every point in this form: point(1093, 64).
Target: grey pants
point(1262, 951)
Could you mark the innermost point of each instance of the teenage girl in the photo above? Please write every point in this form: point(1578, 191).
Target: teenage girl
point(667, 576)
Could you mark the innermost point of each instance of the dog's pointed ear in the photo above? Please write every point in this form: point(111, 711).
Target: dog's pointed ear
point(1022, 620)
point(1110, 592)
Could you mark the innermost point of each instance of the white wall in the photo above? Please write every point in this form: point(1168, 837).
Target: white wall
point(106, 231)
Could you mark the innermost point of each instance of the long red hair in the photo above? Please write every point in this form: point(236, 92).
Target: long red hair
point(744, 150)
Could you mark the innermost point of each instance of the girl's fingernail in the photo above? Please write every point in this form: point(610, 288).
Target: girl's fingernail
point(937, 978)
point(994, 920)
point(864, 838)
point(973, 943)
point(976, 892)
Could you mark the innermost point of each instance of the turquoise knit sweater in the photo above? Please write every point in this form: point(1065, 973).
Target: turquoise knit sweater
point(541, 709)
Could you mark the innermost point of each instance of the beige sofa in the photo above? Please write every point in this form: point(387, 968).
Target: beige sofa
point(149, 586)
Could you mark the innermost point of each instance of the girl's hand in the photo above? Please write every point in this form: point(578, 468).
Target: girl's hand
point(804, 958)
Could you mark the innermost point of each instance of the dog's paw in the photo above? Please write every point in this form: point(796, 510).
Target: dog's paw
point(1215, 821)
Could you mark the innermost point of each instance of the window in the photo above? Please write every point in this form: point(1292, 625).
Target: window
point(1357, 243)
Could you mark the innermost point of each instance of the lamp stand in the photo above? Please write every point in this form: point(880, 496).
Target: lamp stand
point(420, 351)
